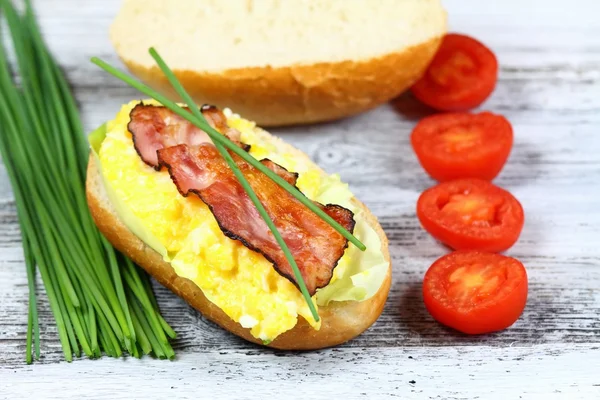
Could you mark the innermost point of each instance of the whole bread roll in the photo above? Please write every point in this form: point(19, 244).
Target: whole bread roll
point(282, 62)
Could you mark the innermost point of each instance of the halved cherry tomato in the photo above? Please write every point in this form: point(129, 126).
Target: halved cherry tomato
point(461, 76)
point(471, 214)
point(462, 145)
point(475, 292)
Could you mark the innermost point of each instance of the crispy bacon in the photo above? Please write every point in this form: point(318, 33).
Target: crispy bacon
point(314, 244)
point(156, 127)
point(290, 177)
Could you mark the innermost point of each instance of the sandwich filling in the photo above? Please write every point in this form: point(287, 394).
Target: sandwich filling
point(240, 281)
point(162, 138)
point(314, 244)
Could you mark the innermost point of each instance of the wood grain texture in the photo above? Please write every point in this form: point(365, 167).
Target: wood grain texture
point(549, 88)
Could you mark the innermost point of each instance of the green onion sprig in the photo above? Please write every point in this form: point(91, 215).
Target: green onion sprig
point(243, 181)
point(101, 302)
point(223, 140)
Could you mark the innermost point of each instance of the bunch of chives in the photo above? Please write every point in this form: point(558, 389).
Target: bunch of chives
point(101, 302)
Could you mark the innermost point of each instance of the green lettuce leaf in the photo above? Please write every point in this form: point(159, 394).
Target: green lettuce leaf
point(123, 211)
point(361, 277)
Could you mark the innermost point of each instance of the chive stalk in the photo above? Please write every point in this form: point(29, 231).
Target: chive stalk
point(223, 140)
point(222, 143)
point(243, 181)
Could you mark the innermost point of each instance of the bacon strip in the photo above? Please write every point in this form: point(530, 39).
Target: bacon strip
point(314, 244)
point(156, 127)
point(290, 177)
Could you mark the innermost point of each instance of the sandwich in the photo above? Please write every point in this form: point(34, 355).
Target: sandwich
point(160, 192)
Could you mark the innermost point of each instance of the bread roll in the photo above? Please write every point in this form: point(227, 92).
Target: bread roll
point(282, 62)
point(340, 321)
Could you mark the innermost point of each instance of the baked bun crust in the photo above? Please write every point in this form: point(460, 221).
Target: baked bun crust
point(300, 94)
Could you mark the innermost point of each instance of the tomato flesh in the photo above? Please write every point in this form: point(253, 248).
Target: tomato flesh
point(473, 209)
point(471, 214)
point(461, 76)
point(475, 292)
point(462, 145)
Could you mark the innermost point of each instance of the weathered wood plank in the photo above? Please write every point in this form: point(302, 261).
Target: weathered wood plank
point(562, 269)
point(563, 307)
point(412, 373)
point(549, 88)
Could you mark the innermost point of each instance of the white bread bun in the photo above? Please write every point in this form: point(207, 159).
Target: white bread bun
point(340, 321)
point(282, 62)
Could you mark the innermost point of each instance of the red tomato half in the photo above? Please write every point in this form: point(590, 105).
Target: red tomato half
point(471, 214)
point(475, 292)
point(461, 76)
point(462, 145)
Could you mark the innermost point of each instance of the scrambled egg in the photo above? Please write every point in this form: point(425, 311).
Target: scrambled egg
point(239, 281)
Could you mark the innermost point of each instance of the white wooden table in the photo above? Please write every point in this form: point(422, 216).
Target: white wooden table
point(549, 88)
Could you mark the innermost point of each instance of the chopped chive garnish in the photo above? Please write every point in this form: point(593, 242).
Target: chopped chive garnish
point(223, 140)
point(243, 181)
